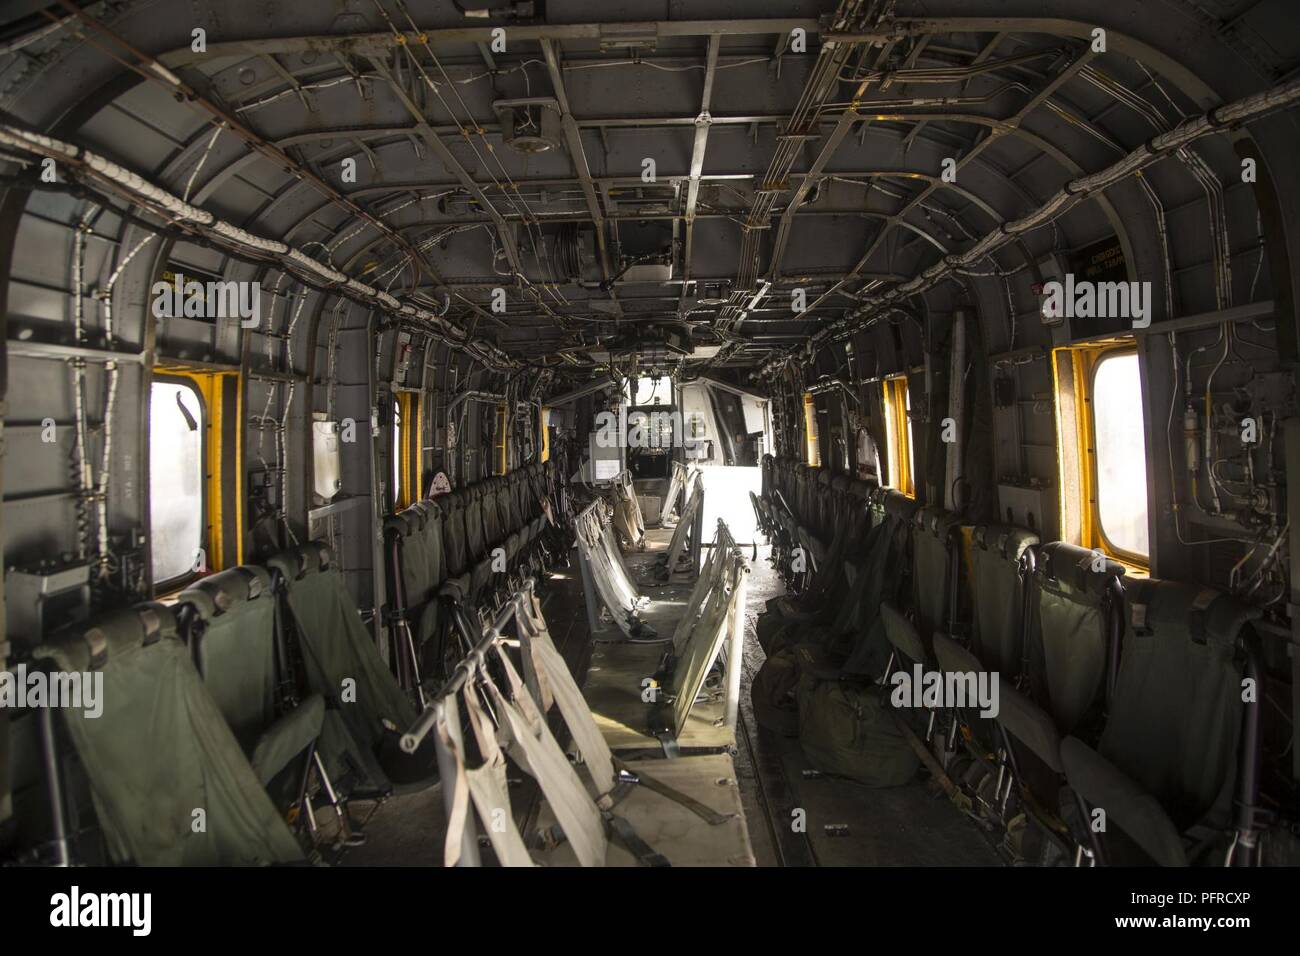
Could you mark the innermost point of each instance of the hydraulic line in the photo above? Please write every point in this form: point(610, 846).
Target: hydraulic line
point(1209, 421)
point(81, 470)
point(816, 93)
point(308, 270)
point(111, 372)
point(154, 71)
point(952, 74)
point(1199, 170)
point(1157, 207)
point(189, 185)
point(1240, 111)
point(282, 458)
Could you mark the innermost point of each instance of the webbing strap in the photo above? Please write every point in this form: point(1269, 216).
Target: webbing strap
point(489, 788)
point(534, 749)
point(704, 812)
point(646, 855)
point(617, 828)
point(669, 744)
point(549, 665)
point(460, 800)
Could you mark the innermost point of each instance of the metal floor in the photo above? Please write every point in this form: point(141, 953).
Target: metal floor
point(846, 824)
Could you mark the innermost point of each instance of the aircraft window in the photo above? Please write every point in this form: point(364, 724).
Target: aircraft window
point(1118, 437)
point(812, 445)
point(897, 405)
point(177, 423)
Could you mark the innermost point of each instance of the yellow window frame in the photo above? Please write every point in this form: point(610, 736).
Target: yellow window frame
point(1073, 371)
point(217, 499)
point(544, 413)
point(898, 435)
point(812, 435)
point(410, 410)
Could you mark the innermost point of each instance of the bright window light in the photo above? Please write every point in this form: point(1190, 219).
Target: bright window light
point(397, 451)
point(897, 404)
point(1118, 431)
point(812, 441)
point(176, 425)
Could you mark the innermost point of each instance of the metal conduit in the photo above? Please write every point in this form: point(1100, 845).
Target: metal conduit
point(1248, 108)
point(319, 275)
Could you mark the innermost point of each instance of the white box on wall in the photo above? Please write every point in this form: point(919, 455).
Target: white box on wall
point(326, 466)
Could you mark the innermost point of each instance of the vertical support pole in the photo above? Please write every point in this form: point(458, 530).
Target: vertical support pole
point(54, 785)
point(736, 645)
point(447, 773)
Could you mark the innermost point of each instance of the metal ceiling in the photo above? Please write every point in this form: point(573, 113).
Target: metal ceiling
point(783, 172)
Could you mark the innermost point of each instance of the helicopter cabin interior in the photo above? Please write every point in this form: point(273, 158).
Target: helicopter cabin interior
point(779, 433)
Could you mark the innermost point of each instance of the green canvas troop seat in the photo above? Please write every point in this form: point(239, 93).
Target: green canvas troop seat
point(493, 528)
point(804, 482)
point(860, 494)
point(1075, 604)
point(343, 665)
point(170, 783)
point(998, 576)
point(831, 593)
point(823, 516)
point(882, 578)
point(514, 502)
point(528, 507)
point(475, 544)
point(459, 533)
point(418, 566)
point(933, 547)
point(908, 645)
point(455, 551)
point(229, 619)
point(1075, 620)
point(1165, 767)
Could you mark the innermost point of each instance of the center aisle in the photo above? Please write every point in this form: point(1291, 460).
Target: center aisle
point(846, 824)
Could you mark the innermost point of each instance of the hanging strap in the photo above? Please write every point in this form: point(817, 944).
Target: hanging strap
point(577, 716)
point(530, 743)
point(490, 789)
point(456, 816)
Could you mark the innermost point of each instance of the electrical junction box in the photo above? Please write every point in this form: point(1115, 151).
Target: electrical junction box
point(37, 601)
